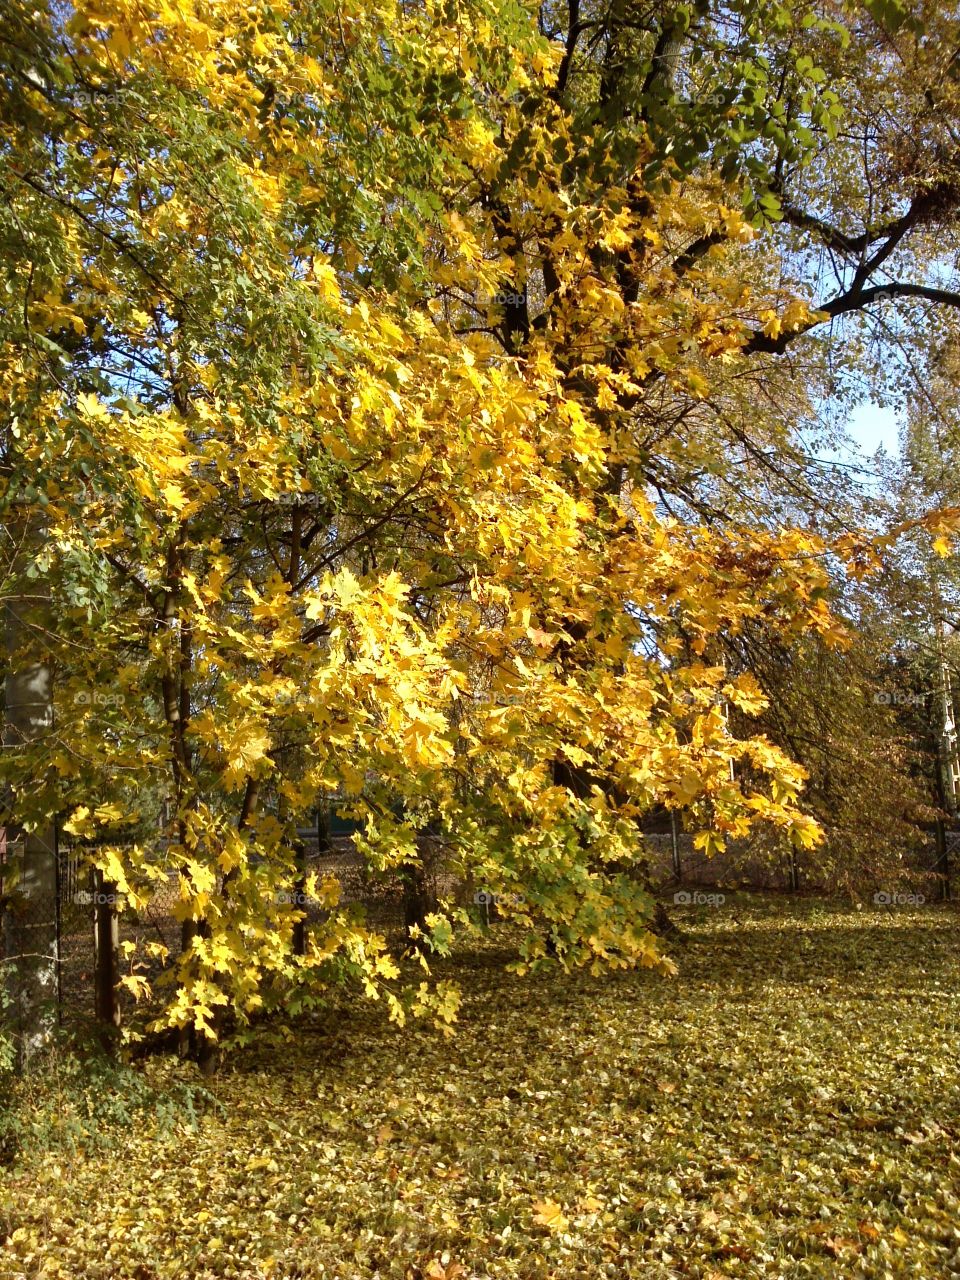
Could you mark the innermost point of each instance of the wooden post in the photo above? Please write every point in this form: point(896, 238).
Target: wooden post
point(675, 847)
point(300, 928)
point(794, 872)
point(185, 1046)
point(106, 941)
point(941, 866)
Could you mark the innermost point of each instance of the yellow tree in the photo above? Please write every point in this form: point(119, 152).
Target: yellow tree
point(335, 337)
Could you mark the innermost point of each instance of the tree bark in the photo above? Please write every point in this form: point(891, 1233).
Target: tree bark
point(31, 922)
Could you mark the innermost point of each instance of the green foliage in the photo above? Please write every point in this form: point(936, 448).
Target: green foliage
point(82, 1101)
point(8, 1049)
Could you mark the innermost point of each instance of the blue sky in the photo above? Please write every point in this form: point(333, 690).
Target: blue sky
point(870, 427)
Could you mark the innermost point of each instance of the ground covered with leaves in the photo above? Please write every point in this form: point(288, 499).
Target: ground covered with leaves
point(788, 1105)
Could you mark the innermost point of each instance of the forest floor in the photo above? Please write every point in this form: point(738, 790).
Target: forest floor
point(788, 1105)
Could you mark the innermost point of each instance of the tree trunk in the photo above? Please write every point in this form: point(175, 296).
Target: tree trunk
point(31, 922)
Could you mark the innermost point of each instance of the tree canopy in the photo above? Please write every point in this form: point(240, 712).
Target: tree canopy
point(404, 401)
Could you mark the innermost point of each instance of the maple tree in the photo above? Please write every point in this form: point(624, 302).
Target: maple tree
point(357, 354)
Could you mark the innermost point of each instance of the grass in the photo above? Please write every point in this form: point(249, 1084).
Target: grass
point(788, 1106)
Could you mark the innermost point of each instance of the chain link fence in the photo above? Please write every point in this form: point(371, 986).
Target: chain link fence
point(49, 947)
point(674, 859)
point(61, 928)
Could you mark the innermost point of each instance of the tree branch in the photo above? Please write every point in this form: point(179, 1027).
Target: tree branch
point(852, 300)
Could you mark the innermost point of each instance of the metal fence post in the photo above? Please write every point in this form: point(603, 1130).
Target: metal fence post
point(675, 847)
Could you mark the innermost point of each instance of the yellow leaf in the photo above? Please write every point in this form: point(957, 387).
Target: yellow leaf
point(245, 748)
point(79, 823)
point(547, 1213)
point(90, 406)
point(175, 496)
